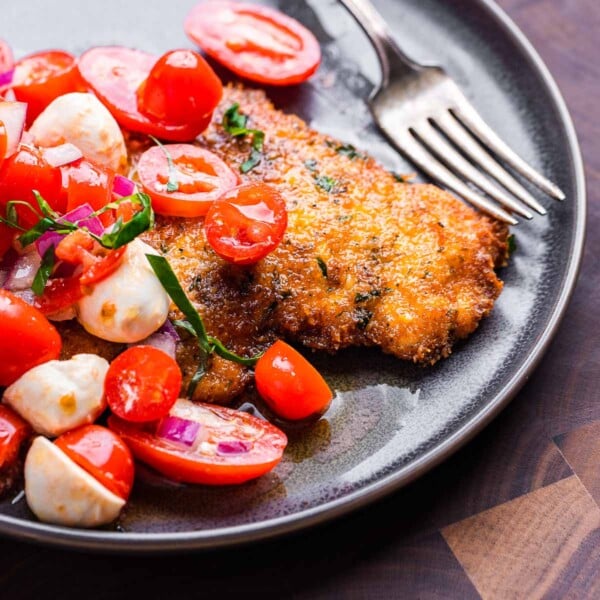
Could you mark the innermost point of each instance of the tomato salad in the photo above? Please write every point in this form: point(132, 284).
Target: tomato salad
point(70, 248)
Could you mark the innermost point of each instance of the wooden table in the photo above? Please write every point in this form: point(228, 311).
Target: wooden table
point(515, 514)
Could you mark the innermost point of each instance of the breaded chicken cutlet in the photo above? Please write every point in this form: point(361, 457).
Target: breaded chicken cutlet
point(366, 260)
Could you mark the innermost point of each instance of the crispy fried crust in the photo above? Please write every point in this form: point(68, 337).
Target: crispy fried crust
point(366, 260)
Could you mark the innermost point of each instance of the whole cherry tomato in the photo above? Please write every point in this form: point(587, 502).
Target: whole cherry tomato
point(181, 87)
point(142, 384)
point(115, 74)
point(24, 171)
point(27, 338)
point(198, 177)
point(246, 223)
point(256, 42)
point(101, 453)
point(292, 388)
point(232, 446)
point(42, 77)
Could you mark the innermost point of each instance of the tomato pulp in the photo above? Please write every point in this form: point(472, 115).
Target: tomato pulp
point(232, 447)
point(196, 176)
point(246, 223)
point(255, 42)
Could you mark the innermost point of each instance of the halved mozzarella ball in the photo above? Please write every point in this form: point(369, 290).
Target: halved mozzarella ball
point(60, 491)
point(128, 305)
point(60, 395)
point(82, 120)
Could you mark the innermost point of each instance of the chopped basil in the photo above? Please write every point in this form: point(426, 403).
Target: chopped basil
point(323, 266)
point(327, 183)
point(123, 233)
point(347, 150)
point(512, 243)
point(193, 324)
point(44, 272)
point(172, 183)
point(235, 123)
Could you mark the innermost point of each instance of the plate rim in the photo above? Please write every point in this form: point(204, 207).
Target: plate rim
point(176, 542)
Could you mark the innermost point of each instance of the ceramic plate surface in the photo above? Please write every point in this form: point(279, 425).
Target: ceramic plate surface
point(390, 421)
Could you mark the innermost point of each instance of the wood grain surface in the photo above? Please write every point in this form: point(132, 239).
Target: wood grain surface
point(515, 514)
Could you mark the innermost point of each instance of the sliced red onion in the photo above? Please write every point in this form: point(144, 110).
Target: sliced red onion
point(62, 155)
point(81, 217)
point(176, 429)
point(23, 272)
point(7, 77)
point(6, 265)
point(13, 114)
point(123, 186)
point(26, 295)
point(164, 339)
point(233, 447)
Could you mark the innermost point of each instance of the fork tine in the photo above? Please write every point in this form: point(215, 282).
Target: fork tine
point(465, 141)
point(430, 165)
point(471, 119)
point(447, 154)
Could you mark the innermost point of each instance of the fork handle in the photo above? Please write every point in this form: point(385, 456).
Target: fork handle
point(391, 57)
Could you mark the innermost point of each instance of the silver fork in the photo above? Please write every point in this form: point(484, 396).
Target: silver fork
point(426, 116)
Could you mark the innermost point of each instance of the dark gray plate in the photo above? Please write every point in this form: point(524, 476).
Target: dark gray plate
point(390, 421)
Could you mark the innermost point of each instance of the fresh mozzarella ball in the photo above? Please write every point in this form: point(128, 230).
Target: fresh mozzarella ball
point(57, 396)
point(128, 305)
point(60, 491)
point(84, 121)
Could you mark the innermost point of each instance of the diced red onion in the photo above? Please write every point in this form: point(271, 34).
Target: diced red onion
point(13, 114)
point(23, 272)
point(6, 265)
point(164, 339)
point(233, 447)
point(81, 217)
point(26, 295)
point(7, 77)
point(62, 155)
point(176, 429)
point(123, 186)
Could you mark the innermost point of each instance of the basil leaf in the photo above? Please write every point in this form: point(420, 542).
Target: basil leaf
point(46, 209)
point(37, 231)
point(123, 233)
point(235, 122)
point(253, 161)
point(44, 272)
point(172, 183)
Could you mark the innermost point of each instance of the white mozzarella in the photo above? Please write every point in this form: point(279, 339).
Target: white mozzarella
point(128, 305)
point(84, 121)
point(59, 491)
point(57, 396)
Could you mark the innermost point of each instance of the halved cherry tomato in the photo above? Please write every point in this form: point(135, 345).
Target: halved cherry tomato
point(114, 74)
point(24, 171)
point(246, 223)
point(79, 248)
point(89, 183)
point(180, 87)
point(13, 432)
point(207, 461)
point(142, 384)
point(27, 338)
point(59, 294)
point(201, 177)
point(42, 77)
point(7, 61)
point(292, 388)
point(101, 453)
point(256, 42)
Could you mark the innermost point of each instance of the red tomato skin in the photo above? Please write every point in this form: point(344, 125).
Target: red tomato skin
point(292, 388)
point(246, 223)
point(103, 454)
point(188, 467)
point(255, 59)
point(3, 142)
point(27, 338)
point(180, 85)
point(87, 183)
point(24, 171)
point(7, 235)
point(142, 384)
point(114, 74)
point(59, 294)
point(201, 175)
point(13, 432)
point(42, 77)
